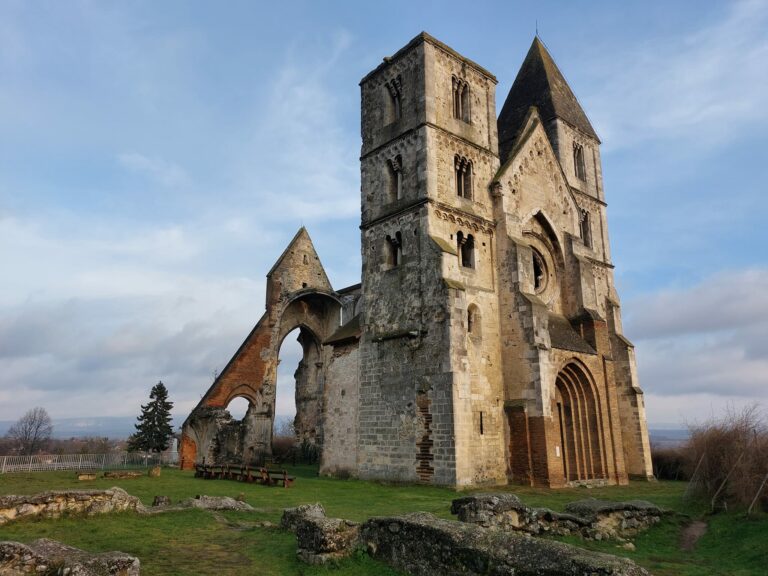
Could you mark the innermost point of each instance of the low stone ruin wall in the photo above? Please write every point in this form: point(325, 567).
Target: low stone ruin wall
point(592, 519)
point(423, 545)
point(320, 539)
point(50, 557)
point(56, 503)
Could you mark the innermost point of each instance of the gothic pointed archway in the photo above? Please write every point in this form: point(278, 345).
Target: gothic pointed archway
point(579, 425)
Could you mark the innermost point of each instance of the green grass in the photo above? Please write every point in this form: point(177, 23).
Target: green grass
point(194, 542)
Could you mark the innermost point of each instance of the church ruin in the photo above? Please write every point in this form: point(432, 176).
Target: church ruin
point(484, 344)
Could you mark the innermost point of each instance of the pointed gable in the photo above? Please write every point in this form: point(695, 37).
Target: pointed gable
point(539, 83)
point(298, 268)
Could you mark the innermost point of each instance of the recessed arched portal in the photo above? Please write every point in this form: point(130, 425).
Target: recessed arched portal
point(578, 418)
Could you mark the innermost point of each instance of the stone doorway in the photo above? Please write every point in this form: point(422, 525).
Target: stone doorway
point(579, 427)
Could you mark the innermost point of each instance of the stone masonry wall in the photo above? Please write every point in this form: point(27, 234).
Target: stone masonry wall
point(340, 411)
point(57, 503)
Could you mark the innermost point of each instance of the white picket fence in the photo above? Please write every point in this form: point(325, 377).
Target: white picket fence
point(112, 461)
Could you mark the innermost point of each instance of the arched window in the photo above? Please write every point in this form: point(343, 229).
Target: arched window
point(395, 178)
point(473, 321)
point(461, 99)
point(394, 88)
point(466, 248)
point(394, 250)
point(463, 176)
point(585, 229)
point(578, 162)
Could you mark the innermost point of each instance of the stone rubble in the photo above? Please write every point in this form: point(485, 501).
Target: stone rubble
point(45, 556)
point(55, 503)
point(292, 516)
point(320, 539)
point(592, 519)
point(421, 544)
point(215, 503)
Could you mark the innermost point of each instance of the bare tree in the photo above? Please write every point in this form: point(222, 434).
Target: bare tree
point(32, 431)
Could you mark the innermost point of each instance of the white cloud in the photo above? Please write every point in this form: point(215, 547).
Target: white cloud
point(299, 162)
point(702, 88)
point(708, 341)
point(676, 411)
point(161, 171)
point(727, 300)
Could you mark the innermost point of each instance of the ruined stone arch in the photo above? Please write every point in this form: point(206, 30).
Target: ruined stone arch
point(298, 296)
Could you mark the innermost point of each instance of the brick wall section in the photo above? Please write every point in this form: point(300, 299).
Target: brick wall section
point(424, 456)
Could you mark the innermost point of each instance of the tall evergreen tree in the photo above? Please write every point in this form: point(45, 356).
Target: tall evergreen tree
point(153, 429)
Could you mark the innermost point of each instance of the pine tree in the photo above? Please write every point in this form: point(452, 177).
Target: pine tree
point(153, 429)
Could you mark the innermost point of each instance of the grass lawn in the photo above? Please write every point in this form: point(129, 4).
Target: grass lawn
point(194, 542)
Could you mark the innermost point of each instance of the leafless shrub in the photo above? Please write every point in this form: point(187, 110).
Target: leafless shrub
point(284, 440)
point(669, 463)
point(32, 431)
point(731, 454)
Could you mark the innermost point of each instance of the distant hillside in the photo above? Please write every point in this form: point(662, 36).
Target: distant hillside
point(103, 427)
point(116, 427)
point(667, 438)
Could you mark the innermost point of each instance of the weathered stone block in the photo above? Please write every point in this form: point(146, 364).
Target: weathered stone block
point(593, 519)
point(292, 516)
point(45, 556)
point(55, 503)
point(423, 545)
point(324, 539)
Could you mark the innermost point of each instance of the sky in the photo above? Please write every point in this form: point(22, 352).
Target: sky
point(156, 158)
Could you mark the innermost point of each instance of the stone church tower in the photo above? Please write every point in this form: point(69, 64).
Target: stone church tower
point(484, 343)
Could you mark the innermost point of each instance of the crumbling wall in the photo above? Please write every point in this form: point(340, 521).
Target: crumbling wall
point(54, 504)
point(46, 556)
point(422, 545)
point(590, 518)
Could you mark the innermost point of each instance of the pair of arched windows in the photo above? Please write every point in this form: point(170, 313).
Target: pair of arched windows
point(461, 100)
point(465, 247)
point(463, 176)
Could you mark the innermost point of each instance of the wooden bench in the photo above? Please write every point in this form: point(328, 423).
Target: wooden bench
point(276, 477)
point(265, 476)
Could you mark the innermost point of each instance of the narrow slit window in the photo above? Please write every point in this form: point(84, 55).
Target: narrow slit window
point(473, 321)
point(465, 103)
point(578, 162)
point(394, 88)
point(466, 248)
point(585, 228)
point(539, 272)
point(395, 178)
point(482, 430)
point(394, 250)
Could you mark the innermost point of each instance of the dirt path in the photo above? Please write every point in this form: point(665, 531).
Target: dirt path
point(691, 535)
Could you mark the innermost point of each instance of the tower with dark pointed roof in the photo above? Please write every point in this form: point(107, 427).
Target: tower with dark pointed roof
point(484, 343)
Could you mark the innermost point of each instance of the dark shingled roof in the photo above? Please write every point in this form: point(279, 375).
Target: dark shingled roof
point(539, 83)
point(563, 336)
point(350, 331)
